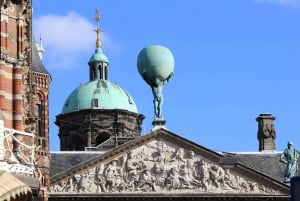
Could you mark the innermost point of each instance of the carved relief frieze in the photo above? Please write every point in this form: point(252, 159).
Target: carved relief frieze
point(159, 166)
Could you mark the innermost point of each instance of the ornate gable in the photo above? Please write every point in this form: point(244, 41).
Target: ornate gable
point(163, 163)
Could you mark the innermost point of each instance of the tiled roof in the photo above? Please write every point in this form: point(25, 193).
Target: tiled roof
point(37, 65)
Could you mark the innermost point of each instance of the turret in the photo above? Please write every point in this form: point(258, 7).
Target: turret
point(98, 115)
point(98, 62)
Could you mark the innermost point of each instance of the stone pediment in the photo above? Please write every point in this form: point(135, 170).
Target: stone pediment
point(163, 163)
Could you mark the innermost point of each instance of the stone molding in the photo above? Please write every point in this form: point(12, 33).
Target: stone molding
point(160, 166)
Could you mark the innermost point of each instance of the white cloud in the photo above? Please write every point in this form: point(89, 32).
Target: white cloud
point(288, 3)
point(67, 38)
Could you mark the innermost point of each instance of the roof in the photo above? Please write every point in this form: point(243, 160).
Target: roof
point(177, 153)
point(267, 164)
point(60, 161)
point(11, 187)
point(99, 94)
point(98, 56)
point(37, 65)
point(32, 182)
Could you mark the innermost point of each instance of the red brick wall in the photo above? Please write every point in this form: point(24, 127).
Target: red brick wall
point(13, 81)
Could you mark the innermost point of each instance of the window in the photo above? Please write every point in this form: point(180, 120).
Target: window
point(38, 110)
point(40, 121)
point(95, 102)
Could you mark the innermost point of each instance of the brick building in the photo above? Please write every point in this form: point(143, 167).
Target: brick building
point(24, 97)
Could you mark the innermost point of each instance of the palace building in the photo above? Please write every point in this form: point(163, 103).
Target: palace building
point(103, 154)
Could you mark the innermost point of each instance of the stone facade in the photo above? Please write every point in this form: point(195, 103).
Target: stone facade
point(162, 163)
point(97, 129)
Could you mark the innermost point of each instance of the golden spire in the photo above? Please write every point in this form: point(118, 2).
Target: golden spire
point(98, 30)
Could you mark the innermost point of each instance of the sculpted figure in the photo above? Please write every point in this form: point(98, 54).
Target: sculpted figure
point(132, 168)
point(217, 175)
point(203, 174)
point(146, 180)
point(74, 183)
point(173, 179)
point(254, 187)
point(269, 131)
point(111, 173)
point(178, 158)
point(230, 180)
point(159, 162)
point(82, 183)
point(157, 88)
point(66, 186)
point(290, 158)
point(243, 185)
point(99, 180)
point(155, 64)
point(190, 164)
point(184, 177)
point(60, 187)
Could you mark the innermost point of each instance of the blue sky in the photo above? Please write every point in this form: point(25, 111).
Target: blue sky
point(233, 60)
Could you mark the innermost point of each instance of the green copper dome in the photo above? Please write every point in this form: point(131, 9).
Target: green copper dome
point(99, 94)
point(98, 56)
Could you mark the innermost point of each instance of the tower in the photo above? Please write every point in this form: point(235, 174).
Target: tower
point(24, 84)
point(38, 117)
point(98, 115)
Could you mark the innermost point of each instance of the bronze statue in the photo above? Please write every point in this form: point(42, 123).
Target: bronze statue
point(290, 158)
point(156, 66)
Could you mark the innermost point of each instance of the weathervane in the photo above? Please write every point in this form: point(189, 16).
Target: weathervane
point(98, 30)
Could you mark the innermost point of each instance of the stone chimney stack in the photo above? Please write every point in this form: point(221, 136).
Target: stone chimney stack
point(266, 133)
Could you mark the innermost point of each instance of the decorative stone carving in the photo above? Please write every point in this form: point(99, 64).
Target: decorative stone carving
point(159, 167)
point(118, 125)
point(266, 133)
point(18, 156)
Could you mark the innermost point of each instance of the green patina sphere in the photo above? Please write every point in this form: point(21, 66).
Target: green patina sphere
point(155, 61)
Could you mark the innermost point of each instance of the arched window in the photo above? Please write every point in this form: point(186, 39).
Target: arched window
point(39, 113)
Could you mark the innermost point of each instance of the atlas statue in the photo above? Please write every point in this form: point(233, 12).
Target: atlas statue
point(156, 66)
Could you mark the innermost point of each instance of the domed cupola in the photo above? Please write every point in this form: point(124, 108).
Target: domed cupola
point(98, 115)
point(98, 62)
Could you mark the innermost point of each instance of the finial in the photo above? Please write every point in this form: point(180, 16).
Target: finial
point(41, 40)
point(40, 48)
point(98, 30)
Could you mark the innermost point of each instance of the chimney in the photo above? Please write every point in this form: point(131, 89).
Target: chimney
point(266, 133)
